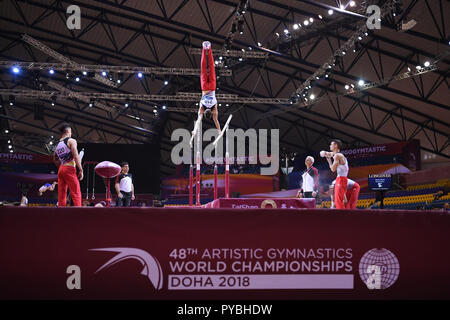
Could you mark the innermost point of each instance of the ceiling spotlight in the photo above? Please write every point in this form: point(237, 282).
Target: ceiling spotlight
point(164, 107)
point(50, 143)
point(104, 73)
point(312, 97)
point(241, 26)
point(139, 75)
point(306, 22)
point(77, 79)
point(347, 87)
point(166, 83)
point(84, 73)
point(311, 20)
point(10, 146)
point(361, 83)
point(330, 12)
point(9, 141)
point(15, 70)
point(427, 63)
point(51, 71)
point(295, 26)
point(359, 38)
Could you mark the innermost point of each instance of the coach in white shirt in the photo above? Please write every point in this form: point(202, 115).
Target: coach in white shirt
point(124, 186)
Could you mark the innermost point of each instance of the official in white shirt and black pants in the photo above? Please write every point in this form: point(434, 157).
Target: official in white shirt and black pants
point(124, 187)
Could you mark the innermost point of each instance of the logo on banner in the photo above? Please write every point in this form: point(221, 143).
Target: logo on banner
point(268, 202)
point(379, 269)
point(152, 269)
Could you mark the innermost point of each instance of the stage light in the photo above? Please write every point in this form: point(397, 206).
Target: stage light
point(259, 44)
point(330, 12)
point(311, 20)
point(320, 16)
point(164, 107)
point(352, 85)
point(342, 7)
point(240, 59)
point(10, 146)
point(361, 83)
point(120, 77)
point(418, 67)
point(241, 26)
point(312, 97)
point(77, 79)
point(104, 73)
point(127, 103)
point(306, 22)
point(6, 131)
point(352, 3)
point(15, 70)
point(11, 151)
point(295, 26)
point(51, 71)
point(166, 83)
point(279, 35)
point(409, 69)
point(427, 63)
point(286, 31)
point(84, 73)
point(155, 111)
point(216, 62)
point(9, 141)
point(227, 105)
point(91, 103)
point(111, 76)
point(53, 99)
point(347, 87)
point(12, 100)
point(139, 75)
point(359, 38)
point(50, 143)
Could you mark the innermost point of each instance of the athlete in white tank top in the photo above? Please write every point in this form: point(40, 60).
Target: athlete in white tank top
point(342, 169)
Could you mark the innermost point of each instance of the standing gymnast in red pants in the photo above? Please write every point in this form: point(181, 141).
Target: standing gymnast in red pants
point(339, 165)
point(69, 159)
point(208, 102)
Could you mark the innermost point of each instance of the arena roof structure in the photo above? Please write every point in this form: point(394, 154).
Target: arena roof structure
point(312, 69)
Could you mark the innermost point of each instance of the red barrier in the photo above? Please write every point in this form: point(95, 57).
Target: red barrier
point(255, 203)
point(197, 253)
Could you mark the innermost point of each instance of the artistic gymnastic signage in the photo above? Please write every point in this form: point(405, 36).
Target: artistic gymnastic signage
point(110, 253)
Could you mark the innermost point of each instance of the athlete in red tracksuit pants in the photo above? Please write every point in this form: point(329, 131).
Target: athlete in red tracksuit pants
point(351, 194)
point(339, 165)
point(208, 102)
point(67, 153)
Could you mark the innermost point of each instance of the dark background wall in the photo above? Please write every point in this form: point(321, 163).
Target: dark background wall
point(142, 158)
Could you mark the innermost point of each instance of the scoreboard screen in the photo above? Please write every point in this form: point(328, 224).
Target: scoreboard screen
point(379, 182)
